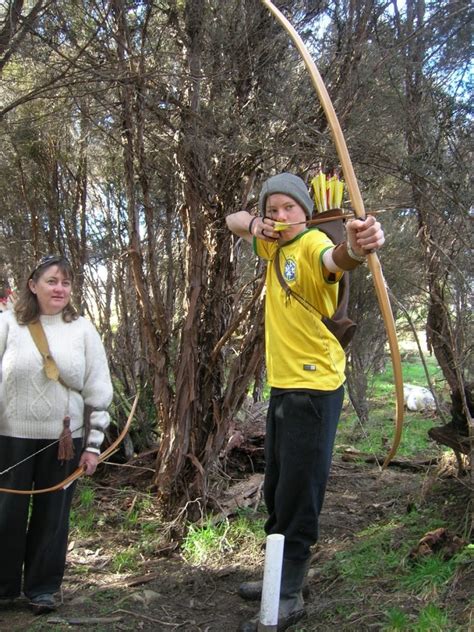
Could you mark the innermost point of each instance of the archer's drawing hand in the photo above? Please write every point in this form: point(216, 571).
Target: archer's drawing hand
point(89, 461)
point(263, 229)
point(365, 236)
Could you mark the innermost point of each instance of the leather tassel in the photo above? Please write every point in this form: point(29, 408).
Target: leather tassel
point(66, 446)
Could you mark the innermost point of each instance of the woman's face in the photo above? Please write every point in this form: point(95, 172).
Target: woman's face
point(52, 289)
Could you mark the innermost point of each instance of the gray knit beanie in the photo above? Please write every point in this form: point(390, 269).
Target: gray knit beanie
point(290, 185)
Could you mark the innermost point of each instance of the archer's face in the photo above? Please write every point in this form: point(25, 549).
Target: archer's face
point(283, 208)
point(52, 289)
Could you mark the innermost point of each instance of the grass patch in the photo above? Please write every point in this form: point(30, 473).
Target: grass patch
point(431, 618)
point(414, 371)
point(380, 553)
point(83, 517)
point(428, 576)
point(206, 544)
point(396, 620)
point(372, 556)
point(139, 510)
point(375, 436)
point(132, 518)
point(126, 561)
point(382, 384)
point(381, 550)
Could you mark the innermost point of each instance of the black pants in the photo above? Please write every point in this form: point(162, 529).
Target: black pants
point(33, 540)
point(300, 434)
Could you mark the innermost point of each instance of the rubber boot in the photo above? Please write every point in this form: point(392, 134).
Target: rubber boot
point(291, 608)
point(252, 591)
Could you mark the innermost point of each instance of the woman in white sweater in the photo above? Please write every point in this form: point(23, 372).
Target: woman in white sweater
point(35, 412)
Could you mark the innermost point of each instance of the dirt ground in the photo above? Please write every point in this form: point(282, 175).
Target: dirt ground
point(168, 594)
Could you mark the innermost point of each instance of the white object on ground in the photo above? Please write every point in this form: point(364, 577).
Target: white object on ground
point(418, 398)
point(271, 583)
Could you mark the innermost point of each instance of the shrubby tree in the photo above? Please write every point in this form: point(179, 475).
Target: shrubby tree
point(130, 130)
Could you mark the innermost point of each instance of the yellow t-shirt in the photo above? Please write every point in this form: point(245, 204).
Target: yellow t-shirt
point(300, 350)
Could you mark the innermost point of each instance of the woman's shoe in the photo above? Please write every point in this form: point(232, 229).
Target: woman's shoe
point(43, 604)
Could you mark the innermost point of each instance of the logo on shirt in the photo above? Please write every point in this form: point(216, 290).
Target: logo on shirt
point(289, 271)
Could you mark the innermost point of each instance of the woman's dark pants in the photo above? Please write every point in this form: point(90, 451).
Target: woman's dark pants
point(33, 539)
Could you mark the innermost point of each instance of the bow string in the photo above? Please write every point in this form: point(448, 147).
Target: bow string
point(78, 472)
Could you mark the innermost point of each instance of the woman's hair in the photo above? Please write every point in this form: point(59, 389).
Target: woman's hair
point(26, 306)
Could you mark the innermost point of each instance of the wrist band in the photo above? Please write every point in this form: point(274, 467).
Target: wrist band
point(352, 254)
point(251, 224)
point(343, 259)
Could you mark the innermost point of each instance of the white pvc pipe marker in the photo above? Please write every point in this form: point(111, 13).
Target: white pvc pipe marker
point(271, 583)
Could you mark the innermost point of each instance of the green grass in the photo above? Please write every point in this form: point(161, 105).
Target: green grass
point(205, 544)
point(430, 619)
point(380, 551)
point(414, 372)
point(376, 435)
point(380, 554)
point(372, 556)
point(126, 561)
point(428, 576)
point(138, 510)
point(433, 619)
point(134, 518)
point(83, 516)
point(396, 620)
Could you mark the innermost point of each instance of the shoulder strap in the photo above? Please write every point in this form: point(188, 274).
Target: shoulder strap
point(276, 262)
point(40, 340)
point(52, 373)
point(342, 327)
point(65, 445)
point(288, 291)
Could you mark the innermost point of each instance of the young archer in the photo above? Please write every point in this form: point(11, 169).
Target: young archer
point(305, 369)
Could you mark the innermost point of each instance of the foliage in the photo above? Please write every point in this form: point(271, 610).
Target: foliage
point(205, 544)
point(379, 554)
point(431, 619)
point(129, 131)
point(135, 518)
point(430, 575)
point(373, 435)
point(83, 515)
point(125, 561)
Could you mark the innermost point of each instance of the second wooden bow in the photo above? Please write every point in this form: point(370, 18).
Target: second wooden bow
point(80, 470)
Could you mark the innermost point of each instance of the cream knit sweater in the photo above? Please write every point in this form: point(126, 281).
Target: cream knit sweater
point(31, 405)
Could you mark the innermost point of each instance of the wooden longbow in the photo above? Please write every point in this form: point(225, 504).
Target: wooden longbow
point(359, 210)
point(80, 470)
